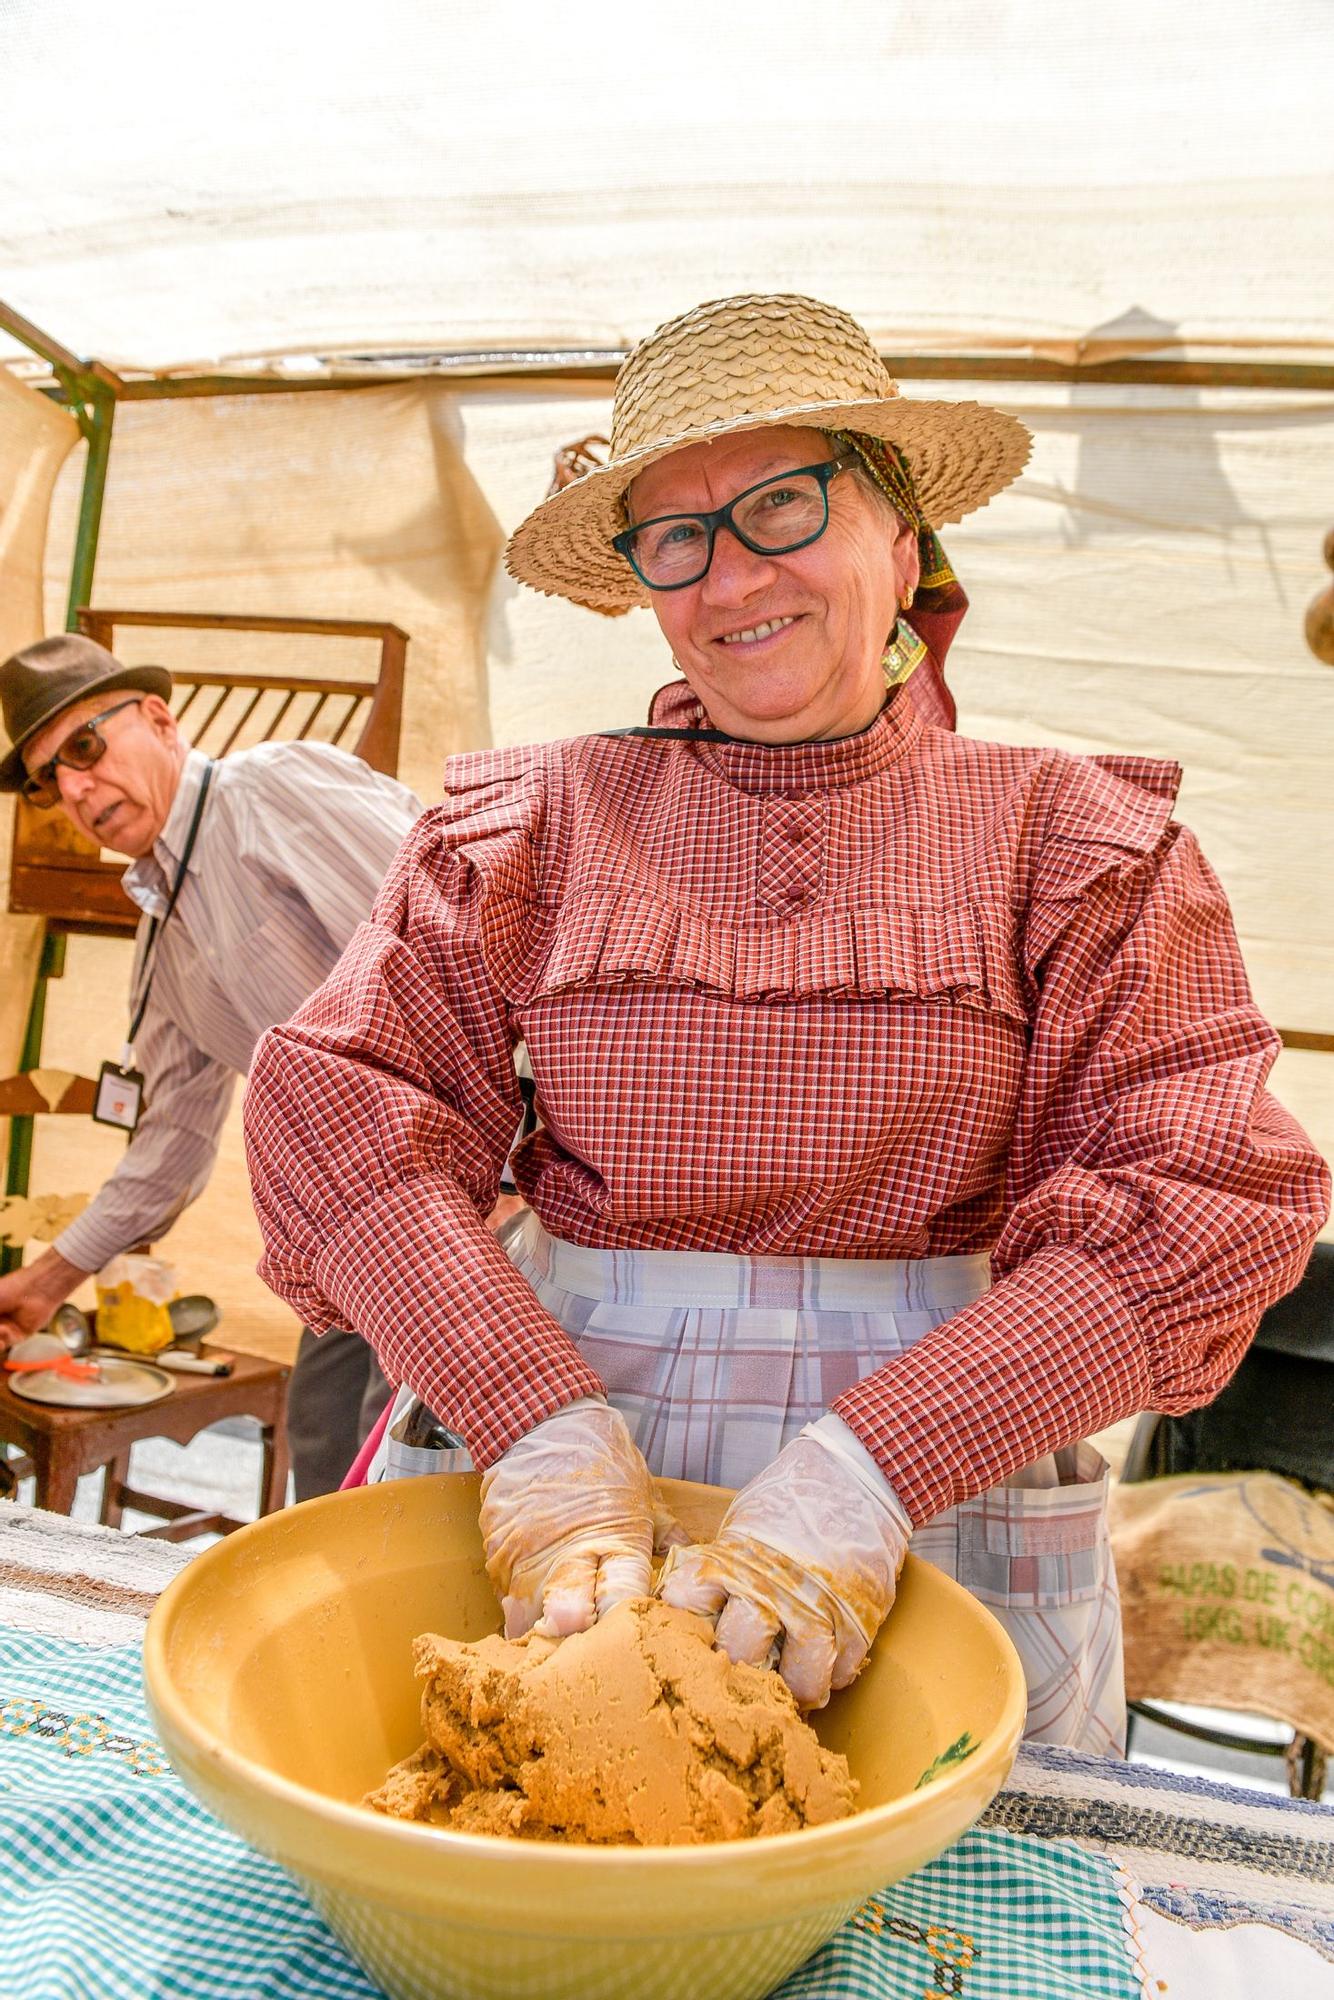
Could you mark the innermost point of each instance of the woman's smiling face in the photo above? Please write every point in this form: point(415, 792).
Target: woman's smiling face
point(781, 649)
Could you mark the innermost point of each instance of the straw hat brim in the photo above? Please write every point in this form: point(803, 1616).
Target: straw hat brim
point(961, 455)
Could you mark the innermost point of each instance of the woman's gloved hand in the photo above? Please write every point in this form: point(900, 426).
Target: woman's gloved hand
point(802, 1571)
point(569, 1518)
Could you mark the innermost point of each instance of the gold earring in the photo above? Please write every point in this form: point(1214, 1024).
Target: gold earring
point(905, 602)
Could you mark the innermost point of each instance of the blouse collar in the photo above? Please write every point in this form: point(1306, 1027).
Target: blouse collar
point(822, 766)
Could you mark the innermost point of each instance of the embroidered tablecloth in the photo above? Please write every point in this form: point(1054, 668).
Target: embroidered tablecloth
point(115, 1882)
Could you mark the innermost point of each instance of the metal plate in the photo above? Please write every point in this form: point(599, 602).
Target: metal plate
point(120, 1384)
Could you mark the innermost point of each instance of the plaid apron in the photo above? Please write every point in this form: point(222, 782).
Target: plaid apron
point(717, 1361)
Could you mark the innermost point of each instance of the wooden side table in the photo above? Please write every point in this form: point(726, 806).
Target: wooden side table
point(63, 1444)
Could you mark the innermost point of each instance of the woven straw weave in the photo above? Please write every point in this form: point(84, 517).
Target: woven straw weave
point(737, 364)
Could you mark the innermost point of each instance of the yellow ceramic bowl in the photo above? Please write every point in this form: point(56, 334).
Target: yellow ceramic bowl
point(279, 1676)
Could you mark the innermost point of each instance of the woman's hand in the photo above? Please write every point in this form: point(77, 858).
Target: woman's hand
point(568, 1521)
point(802, 1571)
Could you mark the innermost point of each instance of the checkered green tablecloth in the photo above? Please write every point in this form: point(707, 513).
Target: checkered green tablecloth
point(116, 1885)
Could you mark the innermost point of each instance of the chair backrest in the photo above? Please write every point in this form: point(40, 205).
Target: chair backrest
point(35, 1092)
point(41, 1217)
point(58, 874)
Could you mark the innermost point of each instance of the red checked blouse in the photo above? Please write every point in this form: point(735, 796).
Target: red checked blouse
point(901, 995)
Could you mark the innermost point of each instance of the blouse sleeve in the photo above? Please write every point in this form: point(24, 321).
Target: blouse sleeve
point(378, 1120)
point(1158, 1198)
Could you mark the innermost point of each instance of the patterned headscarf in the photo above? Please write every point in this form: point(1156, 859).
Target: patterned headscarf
point(937, 585)
point(892, 474)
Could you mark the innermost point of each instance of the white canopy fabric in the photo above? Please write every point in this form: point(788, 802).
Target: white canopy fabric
point(289, 189)
point(183, 188)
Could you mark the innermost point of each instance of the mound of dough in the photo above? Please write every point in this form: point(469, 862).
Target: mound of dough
point(639, 1731)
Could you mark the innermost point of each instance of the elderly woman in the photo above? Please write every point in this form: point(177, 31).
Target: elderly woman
point(902, 1097)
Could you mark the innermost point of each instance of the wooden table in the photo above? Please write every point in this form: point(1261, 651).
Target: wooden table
point(62, 1444)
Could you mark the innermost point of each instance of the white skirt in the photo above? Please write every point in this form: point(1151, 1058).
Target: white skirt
point(716, 1361)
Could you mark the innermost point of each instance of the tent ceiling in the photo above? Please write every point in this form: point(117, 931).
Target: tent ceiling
point(303, 181)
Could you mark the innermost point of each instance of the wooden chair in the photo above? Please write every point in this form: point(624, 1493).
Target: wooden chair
point(20, 1097)
point(23, 1098)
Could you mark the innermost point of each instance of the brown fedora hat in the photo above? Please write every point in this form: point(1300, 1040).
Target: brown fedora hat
point(36, 683)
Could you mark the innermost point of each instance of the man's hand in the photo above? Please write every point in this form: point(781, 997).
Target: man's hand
point(29, 1296)
point(802, 1572)
point(568, 1522)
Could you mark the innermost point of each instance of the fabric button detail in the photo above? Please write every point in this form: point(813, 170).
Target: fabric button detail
point(791, 853)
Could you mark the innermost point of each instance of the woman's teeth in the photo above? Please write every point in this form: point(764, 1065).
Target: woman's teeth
point(757, 631)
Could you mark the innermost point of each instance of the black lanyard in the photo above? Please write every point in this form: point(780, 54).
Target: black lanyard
point(157, 925)
point(679, 735)
point(663, 734)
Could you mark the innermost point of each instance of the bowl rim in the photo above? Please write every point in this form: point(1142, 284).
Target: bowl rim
point(168, 1707)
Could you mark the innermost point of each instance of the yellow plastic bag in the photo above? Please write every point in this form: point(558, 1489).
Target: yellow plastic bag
point(133, 1294)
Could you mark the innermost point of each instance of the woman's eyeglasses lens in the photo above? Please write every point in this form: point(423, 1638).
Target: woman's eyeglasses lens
point(772, 519)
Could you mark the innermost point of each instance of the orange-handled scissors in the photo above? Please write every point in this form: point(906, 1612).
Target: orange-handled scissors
point(65, 1364)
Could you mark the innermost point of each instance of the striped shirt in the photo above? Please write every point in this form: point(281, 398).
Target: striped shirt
point(295, 841)
point(902, 995)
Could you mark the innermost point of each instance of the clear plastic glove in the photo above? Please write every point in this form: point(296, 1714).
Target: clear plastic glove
point(801, 1574)
point(569, 1522)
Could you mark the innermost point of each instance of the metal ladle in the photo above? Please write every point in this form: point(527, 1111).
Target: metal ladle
point(71, 1328)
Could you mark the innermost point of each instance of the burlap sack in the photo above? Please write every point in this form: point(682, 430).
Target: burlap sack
point(1227, 1595)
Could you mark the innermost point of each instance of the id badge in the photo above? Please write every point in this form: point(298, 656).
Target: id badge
point(120, 1096)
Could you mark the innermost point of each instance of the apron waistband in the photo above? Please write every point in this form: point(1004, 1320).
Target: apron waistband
point(717, 1279)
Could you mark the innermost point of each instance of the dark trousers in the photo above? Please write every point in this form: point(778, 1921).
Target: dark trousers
point(336, 1392)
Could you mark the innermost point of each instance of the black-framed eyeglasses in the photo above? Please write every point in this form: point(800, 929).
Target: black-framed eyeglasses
point(771, 519)
point(80, 750)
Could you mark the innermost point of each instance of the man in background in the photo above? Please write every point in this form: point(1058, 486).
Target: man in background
point(252, 874)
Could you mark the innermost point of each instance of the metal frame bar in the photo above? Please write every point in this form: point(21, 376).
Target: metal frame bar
point(553, 373)
point(96, 417)
point(564, 369)
point(1302, 1754)
point(89, 389)
point(52, 352)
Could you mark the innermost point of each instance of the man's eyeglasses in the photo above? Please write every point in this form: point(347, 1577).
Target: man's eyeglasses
point(80, 750)
point(770, 519)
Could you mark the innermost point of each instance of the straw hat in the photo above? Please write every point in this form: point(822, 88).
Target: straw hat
point(742, 364)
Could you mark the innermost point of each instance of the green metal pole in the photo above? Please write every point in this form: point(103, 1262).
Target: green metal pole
point(51, 965)
point(95, 409)
point(95, 421)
